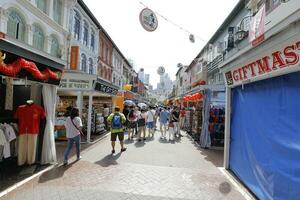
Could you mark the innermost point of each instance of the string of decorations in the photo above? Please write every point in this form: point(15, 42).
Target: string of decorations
point(191, 35)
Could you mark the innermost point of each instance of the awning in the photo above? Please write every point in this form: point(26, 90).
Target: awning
point(19, 62)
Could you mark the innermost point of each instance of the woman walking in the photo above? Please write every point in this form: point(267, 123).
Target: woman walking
point(73, 126)
point(141, 124)
point(132, 119)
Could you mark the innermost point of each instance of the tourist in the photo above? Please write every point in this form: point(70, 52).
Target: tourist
point(182, 118)
point(132, 122)
point(163, 119)
point(150, 121)
point(141, 115)
point(117, 120)
point(73, 127)
point(175, 120)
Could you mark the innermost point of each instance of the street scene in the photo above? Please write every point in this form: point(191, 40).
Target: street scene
point(149, 100)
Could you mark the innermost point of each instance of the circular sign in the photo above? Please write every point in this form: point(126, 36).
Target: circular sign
point(161, 70)
point(192, 38)
point(179, 65)
point(148, 20)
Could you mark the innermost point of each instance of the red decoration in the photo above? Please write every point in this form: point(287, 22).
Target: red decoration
point(14, 68)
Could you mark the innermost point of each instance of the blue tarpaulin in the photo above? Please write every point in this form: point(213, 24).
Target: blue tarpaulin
point(265, 137)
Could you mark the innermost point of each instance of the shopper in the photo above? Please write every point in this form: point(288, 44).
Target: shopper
point(73, 126)
point(105, 115)
point(175, 120)
point(142, 115)
point(150, 121)
point(126, 112)
point(163, 119)
point(117, 120)
point(171, 130)
point(132, 122)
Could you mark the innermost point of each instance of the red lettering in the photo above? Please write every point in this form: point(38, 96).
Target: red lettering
point(245, 68)
point(240, 73)
point(291, 57)
point(252, 65)
point(263, 65)
point(236, 75)
point(277, 60)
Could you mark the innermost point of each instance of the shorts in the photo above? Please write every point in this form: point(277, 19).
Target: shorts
point(113, 136)
point(132, 124)
point(150, 125)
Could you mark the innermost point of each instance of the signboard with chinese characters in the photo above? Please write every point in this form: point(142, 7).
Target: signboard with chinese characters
point(148, 20)
point(281, 59)
point(75, 84)
point(101, 86)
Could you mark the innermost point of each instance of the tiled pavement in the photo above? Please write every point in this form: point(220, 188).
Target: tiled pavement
point(154, 170)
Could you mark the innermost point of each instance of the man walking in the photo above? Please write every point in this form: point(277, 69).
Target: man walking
point(163, 119)
point(175, 119)
point(117, 120)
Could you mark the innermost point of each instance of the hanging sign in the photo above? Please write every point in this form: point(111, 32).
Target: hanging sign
point(161, 70)
point(257, 27)
point(280, 59)
point(105, 88)
point(148, 20)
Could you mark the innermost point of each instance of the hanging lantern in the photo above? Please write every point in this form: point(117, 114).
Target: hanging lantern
point(192, 38)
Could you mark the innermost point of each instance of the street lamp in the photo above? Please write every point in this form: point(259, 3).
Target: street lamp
point(241, 33)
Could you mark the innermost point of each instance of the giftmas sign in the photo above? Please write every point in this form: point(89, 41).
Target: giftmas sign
point(284, 58)
point(148, 20)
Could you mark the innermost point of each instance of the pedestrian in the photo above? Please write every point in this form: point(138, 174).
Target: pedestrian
point(150, 121)
point(142, 115)
point(132, 122)
point(117, 119)
point(73, 127)
point(126, 112)
point(175, 120)
point(171, 130)
point(105, 115)
point(136, 111)
point(163, 119)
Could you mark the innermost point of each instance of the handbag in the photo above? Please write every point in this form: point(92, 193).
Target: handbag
point(77, 127)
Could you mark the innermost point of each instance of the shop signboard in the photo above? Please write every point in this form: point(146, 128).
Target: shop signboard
point(101, 86)
point(148, 20)
point(281, 59)
point(75, 84)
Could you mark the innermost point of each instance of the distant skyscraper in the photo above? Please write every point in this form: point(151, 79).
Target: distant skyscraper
point(147, 79)
point(141, 75)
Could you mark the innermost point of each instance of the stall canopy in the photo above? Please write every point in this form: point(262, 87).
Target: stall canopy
point(18, 62)
point(265, 136)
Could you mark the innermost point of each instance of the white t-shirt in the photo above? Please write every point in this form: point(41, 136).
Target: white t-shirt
point(106, 112)
point(150, 115)
point(71, 130)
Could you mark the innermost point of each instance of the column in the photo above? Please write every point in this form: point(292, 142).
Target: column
point(3, 20)
point(28, 34)
point(80, 103)
point(227, 128)
point(47, 44)
point(50, 9)
point(89, 124)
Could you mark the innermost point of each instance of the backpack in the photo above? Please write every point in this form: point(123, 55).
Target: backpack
point(116, 121)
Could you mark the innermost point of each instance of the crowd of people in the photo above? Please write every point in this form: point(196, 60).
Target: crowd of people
point(141, 122)
point(137, 122)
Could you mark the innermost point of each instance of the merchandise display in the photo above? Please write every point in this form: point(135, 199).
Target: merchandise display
point(216, 125)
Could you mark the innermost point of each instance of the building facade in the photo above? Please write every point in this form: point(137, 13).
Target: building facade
point(117, 64)
point(105, 68)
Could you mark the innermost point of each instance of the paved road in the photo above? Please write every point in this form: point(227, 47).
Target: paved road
point(154, 170)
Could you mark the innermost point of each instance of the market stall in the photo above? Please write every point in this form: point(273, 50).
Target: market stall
point(262, 116)
point(89, 94)
point(28, 82)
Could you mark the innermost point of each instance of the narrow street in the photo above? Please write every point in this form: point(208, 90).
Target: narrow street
point(152, 170)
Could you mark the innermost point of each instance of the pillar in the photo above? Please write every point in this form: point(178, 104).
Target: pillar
point(227, 128)
point(80, 103)
point(89, 124)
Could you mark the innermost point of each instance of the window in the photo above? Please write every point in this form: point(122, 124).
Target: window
point(83, 63)
point(107, 56)
point(42, 5)
point(57, 11)
point(77, 20)
point(93, 41)
point(85, 33)
point(38, 37)
point(54, 47)
point(16, 26)
point(271, 5)
point(91, 70)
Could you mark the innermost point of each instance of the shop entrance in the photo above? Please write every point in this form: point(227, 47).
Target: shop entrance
point(264, 149)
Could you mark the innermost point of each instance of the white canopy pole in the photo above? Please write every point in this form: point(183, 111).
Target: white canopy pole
point(227, 128)
point(89, 124)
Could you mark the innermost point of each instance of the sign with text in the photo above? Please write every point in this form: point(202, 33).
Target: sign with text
point(257, 27)
point(105, 88)
point(281, 58)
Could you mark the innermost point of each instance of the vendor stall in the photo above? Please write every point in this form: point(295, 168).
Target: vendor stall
point(262, 115)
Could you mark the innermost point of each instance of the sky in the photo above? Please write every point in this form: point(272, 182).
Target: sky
point(167, 45)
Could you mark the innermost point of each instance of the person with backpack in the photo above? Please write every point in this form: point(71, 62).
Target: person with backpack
point(117, 119)
point(73, 126)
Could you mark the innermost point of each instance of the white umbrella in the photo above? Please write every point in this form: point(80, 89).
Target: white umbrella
point(129, 103)
point(143, 105)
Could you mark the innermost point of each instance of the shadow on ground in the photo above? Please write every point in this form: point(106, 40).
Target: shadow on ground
point(109, 160)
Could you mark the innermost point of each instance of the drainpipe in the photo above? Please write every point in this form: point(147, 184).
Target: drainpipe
point(227, 128)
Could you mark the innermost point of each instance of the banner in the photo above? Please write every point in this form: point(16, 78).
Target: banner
point(257, 27)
